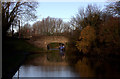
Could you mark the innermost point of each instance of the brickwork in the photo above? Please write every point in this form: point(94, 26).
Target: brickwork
point(43, 41)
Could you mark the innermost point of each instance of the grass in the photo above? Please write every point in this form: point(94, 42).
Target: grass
point(14, 52)
point(21, 45)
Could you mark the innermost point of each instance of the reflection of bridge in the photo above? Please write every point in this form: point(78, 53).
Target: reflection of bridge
point(43, 41)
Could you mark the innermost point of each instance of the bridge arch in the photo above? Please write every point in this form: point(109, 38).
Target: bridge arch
point(43, 41)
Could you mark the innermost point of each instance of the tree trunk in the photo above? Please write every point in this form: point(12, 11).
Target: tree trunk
point(5, 27)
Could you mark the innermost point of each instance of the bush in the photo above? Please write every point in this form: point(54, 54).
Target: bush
point(87, 38)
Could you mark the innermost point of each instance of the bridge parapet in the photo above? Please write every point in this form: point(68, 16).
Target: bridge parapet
point(43, 41)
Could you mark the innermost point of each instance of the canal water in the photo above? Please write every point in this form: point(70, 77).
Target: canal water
point(46, 71)
point(40, 66)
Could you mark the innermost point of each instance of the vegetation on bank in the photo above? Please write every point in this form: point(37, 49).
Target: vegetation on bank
point(14, 53)
point(21, 45)
point(97, 35)
point(15, 50)
point(97, 32)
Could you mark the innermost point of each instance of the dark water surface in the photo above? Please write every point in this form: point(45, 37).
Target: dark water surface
point(40, 66)
point(98, 67)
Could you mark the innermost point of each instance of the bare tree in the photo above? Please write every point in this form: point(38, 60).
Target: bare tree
point(89, 16)
point(113, 9)
point(26, 30)
point(11, 11)
point(51, 26)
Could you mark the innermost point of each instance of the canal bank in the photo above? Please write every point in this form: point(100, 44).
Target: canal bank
point(14, 53)
point(12, 63)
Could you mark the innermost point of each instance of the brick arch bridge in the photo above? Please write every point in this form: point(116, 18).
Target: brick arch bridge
point(43, 41)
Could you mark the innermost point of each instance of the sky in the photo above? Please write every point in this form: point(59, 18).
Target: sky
point(63, 10)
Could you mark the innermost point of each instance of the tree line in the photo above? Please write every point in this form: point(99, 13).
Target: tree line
point(48, 26)
point(92, 29)
point(98, 31)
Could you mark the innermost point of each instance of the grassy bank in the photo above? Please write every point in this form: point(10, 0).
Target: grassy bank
point(14, 52)
point(14, 44)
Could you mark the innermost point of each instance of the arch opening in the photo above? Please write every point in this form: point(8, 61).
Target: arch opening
point(54, 45)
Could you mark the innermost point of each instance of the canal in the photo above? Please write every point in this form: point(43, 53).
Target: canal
point(54, 65)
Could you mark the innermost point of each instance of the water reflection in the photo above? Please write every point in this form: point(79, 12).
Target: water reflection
point(40, 66)
point(46, 71)
point(83, 68)
point(98, 67)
